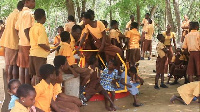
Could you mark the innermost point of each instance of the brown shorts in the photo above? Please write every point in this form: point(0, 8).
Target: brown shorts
point(134, 55)
point(147, 45)
point(23, 56)
point(160, 65)
point(34, 65)
point(194, 63)
point(11, 56)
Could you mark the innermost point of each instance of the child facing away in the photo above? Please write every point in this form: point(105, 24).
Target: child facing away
point(26, 94)
point(13, 85)
point(132, 84)
point(109, 77)
point(187, 93)
point(160, 61)
point(178, 66)
point(40, 48)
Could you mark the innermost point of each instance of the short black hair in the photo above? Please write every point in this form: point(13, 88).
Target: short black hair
point(65, 36)
point(159, 36)
point(25, 1)
point(134, 25)
point(75, 27)
point(1, 21)
point(193, 25)
point(150, 21)
point(114, 62)
point(59, 27)
point(46, 70)
point(92, 59)
point(113, 22)
point(24, 89)
point(11, 82)
point(87, 16)
point(82, 14)
point(131, 16)
point(133, 69)
point(147, 14)
point(71, 18)
point(59, 61)
point(104, 22)
point(20, 5)
point(39, 14)
point(90, 12)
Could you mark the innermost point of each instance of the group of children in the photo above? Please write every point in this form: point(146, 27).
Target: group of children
point(27, 47)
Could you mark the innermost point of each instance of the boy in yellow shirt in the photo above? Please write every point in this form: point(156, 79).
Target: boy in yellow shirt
point(57, 40)
point(39, 46)
point(23, 25)
point(10, 42)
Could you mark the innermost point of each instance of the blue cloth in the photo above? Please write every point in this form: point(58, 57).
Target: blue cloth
point(12, 102)
point(133, 90)
point(106, 79)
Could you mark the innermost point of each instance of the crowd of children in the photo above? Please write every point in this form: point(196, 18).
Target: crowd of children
point(39, 86)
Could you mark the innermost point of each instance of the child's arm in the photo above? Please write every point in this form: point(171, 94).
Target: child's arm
point(73, 72)
point(26, 31)
point(55, 107)
point(199, 99)
point(44, 46)
point(122, 82)
point(141, 80)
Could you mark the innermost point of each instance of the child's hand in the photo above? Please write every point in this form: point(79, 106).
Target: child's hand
point(75, 74)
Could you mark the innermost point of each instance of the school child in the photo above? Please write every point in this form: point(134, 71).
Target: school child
point(133, 44)
point(94, 85)
point(178, 66)
point(81, 20)
point(106, 25)
point(39, 46)
point(160, 61)
point(128, 25)
point(115, 35)
point(169, 36)
point(10, 42)
point(192, 45)
point(70, 24)
point(66, 50)
point(2, 27)
point(109, 77)
point(13, 85)
point(26, 94)
point(185, 26)
point(57, 40)
point(44, 89)
point(131, 86)
point(148, 39)
point(23, 25)
point(187, 93)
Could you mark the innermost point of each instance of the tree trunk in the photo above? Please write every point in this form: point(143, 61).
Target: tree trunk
point(70, 7)
point(83, 5)
point(110, 10)
point(178, 19)
point(153, 10)
point(169, 15)
point(78, 9)
point(138, 13)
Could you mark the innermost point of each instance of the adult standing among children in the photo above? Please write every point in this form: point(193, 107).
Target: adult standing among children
point(23, 25)
point(169, 37)
point(10, 41)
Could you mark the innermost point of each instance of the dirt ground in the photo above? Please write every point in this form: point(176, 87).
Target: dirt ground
point(153, 100)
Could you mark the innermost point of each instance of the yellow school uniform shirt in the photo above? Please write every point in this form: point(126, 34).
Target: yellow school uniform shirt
point(9, 37)
point(149, 32)
point(57, 89)
point(25, 20)
point(97, 32)
point(68, 26)
point(145, 22)
point(192, 41)
point(57, 39)
point(168, 38)
point(38, 36)
point(72, 43)
point(19, 108)
point(67, 51)
point(182, 57)
point(114, 34)
point(159, 48)
point(189, 91)
point(44, 95)
point(134, 36)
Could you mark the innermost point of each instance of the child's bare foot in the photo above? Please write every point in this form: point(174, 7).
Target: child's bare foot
point(108, 108)
point(172, 99)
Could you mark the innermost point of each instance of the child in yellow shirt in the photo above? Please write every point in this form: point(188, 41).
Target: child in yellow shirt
point(39, 46)
point(57, 40)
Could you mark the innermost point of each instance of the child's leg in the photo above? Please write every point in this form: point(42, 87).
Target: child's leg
point(27, 76)
point(107, 97)
point(112, 98)
point(190, 78)
point(22, 75)
point(15, 72)
point(67, 105)
point(10, 76)
point(162, 82)
point(157, 78)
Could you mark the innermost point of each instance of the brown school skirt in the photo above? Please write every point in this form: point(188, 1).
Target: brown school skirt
point(23, 56)
point(194, 63)
point(134, 55)
point(147, 45)
point(11, 56)
point(35, 63)
point(160, 65)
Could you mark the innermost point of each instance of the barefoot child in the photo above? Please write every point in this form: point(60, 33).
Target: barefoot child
point(160, 62)
point(23, 25)
point(26, 94)
point(108, 81)
point(13, 85)
point(9, 41)
point(187, 93)
point(130, 85)
point(39, 46)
